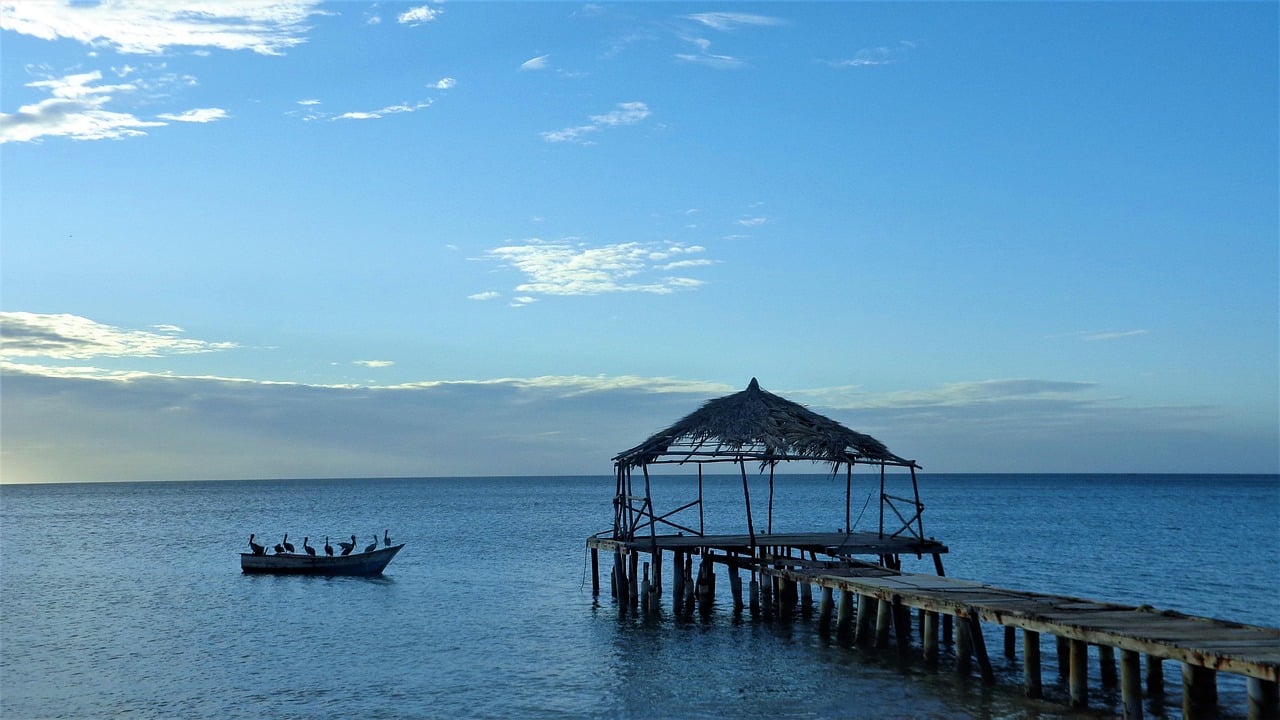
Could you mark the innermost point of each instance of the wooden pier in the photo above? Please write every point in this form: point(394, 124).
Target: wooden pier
point(864, 567)
point(875, 600)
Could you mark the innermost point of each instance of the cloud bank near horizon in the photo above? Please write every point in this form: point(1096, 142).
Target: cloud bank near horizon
point(86, 424)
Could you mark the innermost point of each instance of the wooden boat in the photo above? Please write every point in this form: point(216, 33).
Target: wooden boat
point(369, 563)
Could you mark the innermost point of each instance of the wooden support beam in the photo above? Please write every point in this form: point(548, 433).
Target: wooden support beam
point(677, 582)
point(867, 607)
point(844, 616)
point(825, 605)
point(930, 640)
point(595, 573)
point(980, 648)
point(1064, 656)
point(1264, 700)
point(1031, 675)
point(1199, 692)
point(1107, 665)
point(1155, 677)
point(964, 647)
point(1078, 682)
point(1131, 684)
point(884, 623)
point(901, 628)
point(1010, 642)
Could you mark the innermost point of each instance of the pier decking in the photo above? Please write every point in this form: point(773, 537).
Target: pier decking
point(875, 596)
point(786, 568)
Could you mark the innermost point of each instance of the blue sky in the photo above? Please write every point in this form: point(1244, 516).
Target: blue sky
point(290, 239)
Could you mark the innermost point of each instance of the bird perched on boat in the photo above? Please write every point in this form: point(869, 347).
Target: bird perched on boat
point(310, 550)
point(348, 547)
point(288, 546)
point(328, 549)
point(373, 545)
point(255, 547)
point(279, 549)
point(386, 539)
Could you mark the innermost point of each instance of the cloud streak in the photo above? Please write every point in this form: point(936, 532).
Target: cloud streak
point(266, 27)
point(77, 424)
point(573, 268)
point(72, 337)
point(626, 113)
point(881, 55)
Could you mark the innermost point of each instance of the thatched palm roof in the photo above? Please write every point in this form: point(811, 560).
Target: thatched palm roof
point(758, 425)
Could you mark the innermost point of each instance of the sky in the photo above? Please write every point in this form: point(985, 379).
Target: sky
point(289, 239)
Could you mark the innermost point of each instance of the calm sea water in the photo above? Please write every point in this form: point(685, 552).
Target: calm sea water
point(126, 600)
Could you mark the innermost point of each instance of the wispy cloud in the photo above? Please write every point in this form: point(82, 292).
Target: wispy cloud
point(72, 337)
point(374, 363)
point(383, 112)
point(266, 27)
point(537, 63)
point(752, 221)
point(487, 295)
point(574, 268)
point(76, 109)
point(726, 21)
point(882, 55)
point(445, 83)
point(199, 115)
point(627, 113)
point(1112, 335)
point(419, 15)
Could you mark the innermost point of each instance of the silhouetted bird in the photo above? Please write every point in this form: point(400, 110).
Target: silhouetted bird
point(386, 539)
point(373, 545)
point(255, 547)
point(328, 549)
point(279, 549)
point(348, 547)
point(287, 545)
point(310, 550)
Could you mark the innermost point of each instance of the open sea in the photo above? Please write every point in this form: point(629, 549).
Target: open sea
point(126, 600)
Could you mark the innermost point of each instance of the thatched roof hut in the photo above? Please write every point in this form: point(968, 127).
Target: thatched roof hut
point(753, 425)
point(756, 424)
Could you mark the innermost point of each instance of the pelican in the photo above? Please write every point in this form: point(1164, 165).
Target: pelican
point(328, 549)
point(310, 550)
point(386, 539)
point(348, 547)
point(279, 550)
point(255, 547)
point(373, 545)
point(288, 546)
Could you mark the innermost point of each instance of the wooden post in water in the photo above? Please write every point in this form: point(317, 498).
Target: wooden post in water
point(677, 582)
point(901, 627)
point(1264, 700)
point(1031, 676)
point(824, 610)
point(633, 575)
point(1010, 642)
point(1079, 678)
point(595, 572)
point(844, 616)
point(1107, 665)
point(735, 587)
point(806, 598)
point(930, 640)
point(689, 584)
point(656, 590)
point(1064, 656)
point(646, 590)
point(1131, 684)
point(1199, 692)
point(884, 620)
point(964, 648)
point(866, 620)
point(755, 595)
point(620, 578)
point(1155, 677)
point(980, 647)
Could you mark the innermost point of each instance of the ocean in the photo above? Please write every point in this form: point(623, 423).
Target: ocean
point(126, 599)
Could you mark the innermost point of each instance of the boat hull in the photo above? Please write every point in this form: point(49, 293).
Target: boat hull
point(370, 563)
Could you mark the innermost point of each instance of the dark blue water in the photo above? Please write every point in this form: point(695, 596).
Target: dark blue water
point(126, 600)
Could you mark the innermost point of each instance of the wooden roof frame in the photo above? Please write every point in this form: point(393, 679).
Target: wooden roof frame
point(754, 425)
